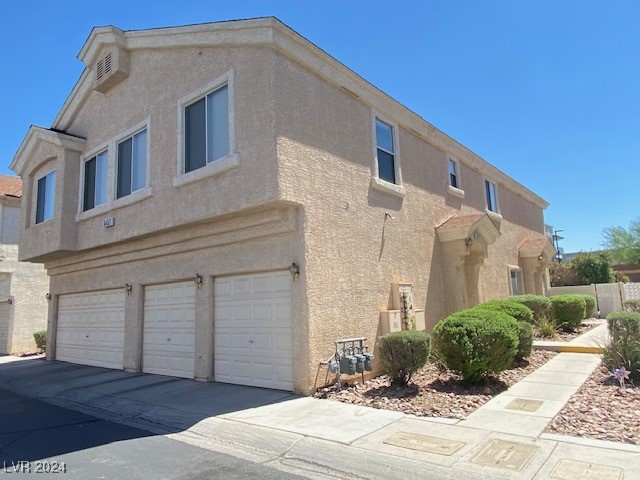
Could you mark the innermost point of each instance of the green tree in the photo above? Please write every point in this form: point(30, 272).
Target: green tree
point(624, 244)
point(592, 268)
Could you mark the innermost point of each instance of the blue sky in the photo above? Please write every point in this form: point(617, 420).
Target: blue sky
point(547, 91)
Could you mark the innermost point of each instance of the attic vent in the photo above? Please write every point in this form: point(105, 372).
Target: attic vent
point(99, 70)
point(107, 64)
point(111, 68)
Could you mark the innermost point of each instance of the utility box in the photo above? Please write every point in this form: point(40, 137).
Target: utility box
point(390, 321)
point(420, 321)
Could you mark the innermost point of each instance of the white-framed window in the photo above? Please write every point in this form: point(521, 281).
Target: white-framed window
point(206, 129)
point(132, 164)
point(454, 173)
point(491, 195)
point(385, 151)
point(45, 197)
point(515, 281)
point(94, 191)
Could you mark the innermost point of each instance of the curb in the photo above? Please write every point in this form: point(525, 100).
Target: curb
point(569, 348)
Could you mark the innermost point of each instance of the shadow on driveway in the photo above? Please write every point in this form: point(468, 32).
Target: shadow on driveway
point(168, 404)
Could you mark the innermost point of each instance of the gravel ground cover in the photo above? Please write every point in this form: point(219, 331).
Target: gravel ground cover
point(602, 410)
point(568, 336)
point(432, 392)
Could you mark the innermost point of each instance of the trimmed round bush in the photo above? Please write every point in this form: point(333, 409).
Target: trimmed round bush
point(517, 310)
point(40, 338)
point(404, 353)
point(624, 325)
point(476, 342)
point(632, 305)
point(525, 340)
point(567, 311)
point(590, 306)
point(539, 305)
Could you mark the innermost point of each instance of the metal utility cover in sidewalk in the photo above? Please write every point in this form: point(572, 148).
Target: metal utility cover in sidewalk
point(524, 405)
point(571, 469)
point(424, 443)
point(503, 454)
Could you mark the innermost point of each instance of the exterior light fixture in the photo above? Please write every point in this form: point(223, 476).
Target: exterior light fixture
point(540, 257)
point(294, 269)
point(47, 296)
point(128, 288)
point(198, 280)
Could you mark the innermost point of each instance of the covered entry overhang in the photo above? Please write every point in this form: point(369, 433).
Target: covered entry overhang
point(534, 258)
point(464, 240)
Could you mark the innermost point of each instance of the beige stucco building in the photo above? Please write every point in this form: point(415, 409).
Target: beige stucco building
point(191, 167)
point(23, 285)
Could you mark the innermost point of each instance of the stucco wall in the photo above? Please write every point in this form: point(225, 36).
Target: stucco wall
point(28, 285)
point(354, 251)
point(150, 96)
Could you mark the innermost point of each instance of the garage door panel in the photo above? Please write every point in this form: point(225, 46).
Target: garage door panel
point(169, 329)
point(253, 330)
point(91, 328)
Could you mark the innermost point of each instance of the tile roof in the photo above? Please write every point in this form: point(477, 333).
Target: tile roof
point(460, 221)
point(533, 244)
point(11, 186)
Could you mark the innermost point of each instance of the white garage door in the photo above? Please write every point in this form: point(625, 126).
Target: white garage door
point(5, 323)
point(91, 328)
point(253, 330)
point(169, 329)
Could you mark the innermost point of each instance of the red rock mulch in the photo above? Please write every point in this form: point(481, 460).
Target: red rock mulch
point(602, 410)
point(434, 393)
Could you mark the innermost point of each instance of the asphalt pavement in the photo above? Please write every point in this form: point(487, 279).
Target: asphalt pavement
point(44, 440)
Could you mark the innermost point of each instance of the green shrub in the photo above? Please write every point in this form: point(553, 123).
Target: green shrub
point(476, 342)
point(624, 325)
point(567, 311)
point(41, 339)
point(590, 306)
point(632, 305)
point(525, 340)
point(539, 305)
point(623, 349)
point(404, 353)
point(516, 310)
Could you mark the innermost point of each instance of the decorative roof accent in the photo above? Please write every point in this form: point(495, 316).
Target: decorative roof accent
point(468, 226)
point(537, 247)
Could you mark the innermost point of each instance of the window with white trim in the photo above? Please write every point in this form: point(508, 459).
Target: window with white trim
point(132, 164)
point(385, 151)
point(206, 129)
point(454, 177)
point(94, 191)
point(45, 197)
point(515, 281)
point(491, 196)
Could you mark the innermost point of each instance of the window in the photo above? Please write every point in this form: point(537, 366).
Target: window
point(95, 181)
point(492, 198)
point(132, 164)
point(453, 174)
point(385, 152)
point(206, 129)
point(515, 277)
point(45, 197)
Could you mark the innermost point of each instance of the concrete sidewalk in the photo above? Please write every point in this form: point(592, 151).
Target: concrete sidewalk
point(591, 341)
point(324, 439)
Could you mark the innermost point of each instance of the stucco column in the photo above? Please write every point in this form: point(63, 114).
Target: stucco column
point(133, 329)
point(203, 369)
point(472, 274)
point(454, 253)
point(529, 269)
point(52, 327)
